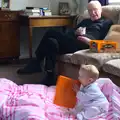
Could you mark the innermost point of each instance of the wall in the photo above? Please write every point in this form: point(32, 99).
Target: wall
point(37, 32)
point(54, 5)
point(21, 4)
point(18, 4)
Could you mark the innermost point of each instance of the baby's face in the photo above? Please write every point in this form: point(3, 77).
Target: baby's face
point(84, 78)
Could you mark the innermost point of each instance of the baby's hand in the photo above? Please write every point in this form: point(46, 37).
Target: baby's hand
point(76, 87)
point(66, 111)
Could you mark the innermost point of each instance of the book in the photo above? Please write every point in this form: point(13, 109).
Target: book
point(47, 13)
point(33, 10)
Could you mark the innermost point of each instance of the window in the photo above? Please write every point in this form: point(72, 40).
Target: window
point(114, 1)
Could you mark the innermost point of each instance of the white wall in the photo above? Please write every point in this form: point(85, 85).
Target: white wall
point(52, 4)
point(21, 4)
point(18, 4)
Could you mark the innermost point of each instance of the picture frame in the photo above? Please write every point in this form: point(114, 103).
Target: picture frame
point(5, 4)
point(64, 8)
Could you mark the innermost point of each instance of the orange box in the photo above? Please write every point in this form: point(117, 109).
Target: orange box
point(65, 96)
point(101, 46)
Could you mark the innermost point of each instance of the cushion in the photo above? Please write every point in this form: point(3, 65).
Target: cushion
point(97, 59)
point(114, 34)
point(65, 96)
point(112, 67)
point(111, 12)
point(65, 58)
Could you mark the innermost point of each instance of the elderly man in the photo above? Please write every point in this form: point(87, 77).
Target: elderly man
point(57, 43)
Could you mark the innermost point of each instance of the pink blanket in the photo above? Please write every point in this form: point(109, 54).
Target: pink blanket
point(35, 102)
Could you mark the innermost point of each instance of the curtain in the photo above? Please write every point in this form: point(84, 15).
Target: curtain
point(103, 2)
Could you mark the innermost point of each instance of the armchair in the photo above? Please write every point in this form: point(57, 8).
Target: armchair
point(69, 64)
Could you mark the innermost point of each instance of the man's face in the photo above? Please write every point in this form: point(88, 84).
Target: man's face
point(94, 12)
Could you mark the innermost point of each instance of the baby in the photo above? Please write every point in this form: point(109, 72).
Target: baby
point(91, 102)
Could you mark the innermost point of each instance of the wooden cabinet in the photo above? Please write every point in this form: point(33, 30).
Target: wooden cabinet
point(9, 34)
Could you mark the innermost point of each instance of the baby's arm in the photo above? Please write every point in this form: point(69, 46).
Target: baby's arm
point(88, 94)
point(84, 96)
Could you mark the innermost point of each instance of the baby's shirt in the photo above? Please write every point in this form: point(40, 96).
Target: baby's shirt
point(90, 95)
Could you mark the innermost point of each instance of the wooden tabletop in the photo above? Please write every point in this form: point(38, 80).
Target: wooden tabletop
point(43, 17)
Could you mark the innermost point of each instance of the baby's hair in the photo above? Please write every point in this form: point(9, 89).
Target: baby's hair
point(91, 70)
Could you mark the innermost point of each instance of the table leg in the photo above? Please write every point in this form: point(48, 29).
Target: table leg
point(30, 41)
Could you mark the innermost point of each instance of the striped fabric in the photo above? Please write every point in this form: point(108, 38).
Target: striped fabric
point(35, 102)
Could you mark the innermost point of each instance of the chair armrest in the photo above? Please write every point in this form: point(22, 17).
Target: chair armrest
point(115, 27)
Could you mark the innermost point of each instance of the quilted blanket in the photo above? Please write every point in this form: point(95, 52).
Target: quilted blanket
point(35, 102)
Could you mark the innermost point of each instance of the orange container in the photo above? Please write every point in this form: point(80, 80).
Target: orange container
point(65, 95)
point(103, 46)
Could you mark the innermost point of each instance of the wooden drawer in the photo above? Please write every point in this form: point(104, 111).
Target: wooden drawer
point(9, 39)
point(9, 34)
point(9, 30)
point(8, 16)
point(9, 49)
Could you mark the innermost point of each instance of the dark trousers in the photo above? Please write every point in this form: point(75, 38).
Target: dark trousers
point(56, 43)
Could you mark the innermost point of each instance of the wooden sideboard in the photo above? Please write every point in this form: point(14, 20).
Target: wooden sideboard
point(9, 34)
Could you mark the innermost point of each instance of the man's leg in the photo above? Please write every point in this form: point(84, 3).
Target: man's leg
point(50, 62)
point(60, 44)
point(35, 64)
point(65, 43)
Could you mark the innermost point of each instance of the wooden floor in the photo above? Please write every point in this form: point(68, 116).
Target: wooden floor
point(9, 71)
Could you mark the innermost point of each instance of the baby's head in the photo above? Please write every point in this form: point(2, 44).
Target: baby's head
point(88, 74)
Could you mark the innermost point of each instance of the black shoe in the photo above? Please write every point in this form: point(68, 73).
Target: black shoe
point(49, 79)
point(32, 67)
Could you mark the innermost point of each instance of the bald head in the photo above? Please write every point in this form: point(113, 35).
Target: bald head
point(95, 10)
point(94, 3)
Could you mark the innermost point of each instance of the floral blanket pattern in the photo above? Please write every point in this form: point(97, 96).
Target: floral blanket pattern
point(35, 102)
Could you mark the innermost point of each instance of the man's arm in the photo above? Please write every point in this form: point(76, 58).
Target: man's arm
point(106, 26)
point(83, 23)
point(79, 25)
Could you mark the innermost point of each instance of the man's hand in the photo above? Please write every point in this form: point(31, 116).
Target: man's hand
point(84, 39)
point(80, 31)
point(76, 88)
